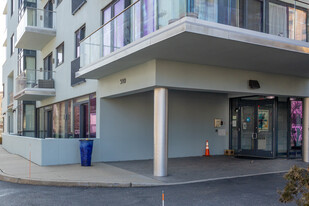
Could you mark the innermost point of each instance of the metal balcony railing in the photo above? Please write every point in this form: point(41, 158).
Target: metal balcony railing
point(34, 79)
point(286, 18)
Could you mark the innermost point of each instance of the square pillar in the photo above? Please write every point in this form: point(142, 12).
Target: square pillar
point(160, 132)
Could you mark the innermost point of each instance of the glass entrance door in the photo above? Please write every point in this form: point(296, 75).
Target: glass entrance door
point(256, 128)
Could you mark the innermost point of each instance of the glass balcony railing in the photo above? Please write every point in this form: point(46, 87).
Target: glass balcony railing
point(286, 18)
point(38, 18)
point(34, 79)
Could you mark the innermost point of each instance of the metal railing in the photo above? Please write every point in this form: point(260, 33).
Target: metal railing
point(34, 79)
point(286, 18)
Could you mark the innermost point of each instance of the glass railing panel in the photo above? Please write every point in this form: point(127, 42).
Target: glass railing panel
point(170, 11)
point(128, 26)
point(31, 78)
point(285, 18)
point(39, 18)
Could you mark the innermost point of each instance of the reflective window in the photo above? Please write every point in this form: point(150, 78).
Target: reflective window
point(79, 35)
point(75, 118)
point(60, 54)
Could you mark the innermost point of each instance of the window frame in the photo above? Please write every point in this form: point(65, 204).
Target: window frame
point(59, 2)
point(77, 43)
point(12, 7)
point(57, 60)
point(12, 45)
point(50, 76)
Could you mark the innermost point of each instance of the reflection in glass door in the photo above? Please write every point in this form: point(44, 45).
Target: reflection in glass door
point(247, 128)
point(265, 128)
point(256, 128)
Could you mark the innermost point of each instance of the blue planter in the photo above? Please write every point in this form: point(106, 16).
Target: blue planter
point(85, 152)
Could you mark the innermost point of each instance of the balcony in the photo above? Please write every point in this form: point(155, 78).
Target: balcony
point(270, 37)
point(30, 89)
point(36, 28)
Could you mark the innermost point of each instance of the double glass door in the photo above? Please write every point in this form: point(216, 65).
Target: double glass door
point(256, 128)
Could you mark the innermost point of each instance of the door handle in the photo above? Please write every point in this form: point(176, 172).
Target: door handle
point(254, 136)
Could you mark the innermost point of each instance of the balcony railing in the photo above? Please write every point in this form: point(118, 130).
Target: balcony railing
point(38, 18)
point(35, 29)
point(34, 79)
point(287, 19)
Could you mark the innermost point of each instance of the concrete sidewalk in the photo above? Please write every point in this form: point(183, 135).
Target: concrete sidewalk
point(138, 173)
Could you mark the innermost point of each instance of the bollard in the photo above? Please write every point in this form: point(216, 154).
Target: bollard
point(162, 198)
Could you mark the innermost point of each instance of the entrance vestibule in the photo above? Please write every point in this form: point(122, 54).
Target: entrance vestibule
point(267, 127)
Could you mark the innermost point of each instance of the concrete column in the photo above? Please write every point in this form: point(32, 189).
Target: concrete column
point(306, 130)
point(160, 132)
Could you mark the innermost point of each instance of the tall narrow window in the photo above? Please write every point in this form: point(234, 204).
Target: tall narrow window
point(251, 14)
point(12, 7)
point(48, 67)
point(48, 15)
point(60, 54)
point(79, 35)
point(278, 20)
point(12, 45)
point(92, 115)
point(297, 24)
point(29, 119)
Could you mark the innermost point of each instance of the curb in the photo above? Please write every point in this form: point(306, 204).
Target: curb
point(8, 178)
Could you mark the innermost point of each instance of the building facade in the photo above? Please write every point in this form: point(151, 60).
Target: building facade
point(155, 79)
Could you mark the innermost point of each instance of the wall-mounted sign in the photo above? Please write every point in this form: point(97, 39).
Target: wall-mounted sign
point(218, 123)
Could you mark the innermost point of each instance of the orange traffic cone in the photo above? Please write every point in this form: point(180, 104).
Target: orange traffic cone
point(207, 149)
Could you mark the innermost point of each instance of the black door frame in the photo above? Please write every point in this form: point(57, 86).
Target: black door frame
point(256, 152)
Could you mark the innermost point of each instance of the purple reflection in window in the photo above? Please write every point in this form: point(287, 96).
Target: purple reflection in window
point(107, 31)
point(296, 123)
point(148, 16)
point(92, 116)
point(119, 25)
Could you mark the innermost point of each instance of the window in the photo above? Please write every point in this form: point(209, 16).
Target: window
point(12, 45)
point(74, 118)
point(12, 7)
point(29, 119)
point(48, 67)
point(48, 15)
point(60, 54)
point(76, 5)
point(79, 35)
point(59, 2)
